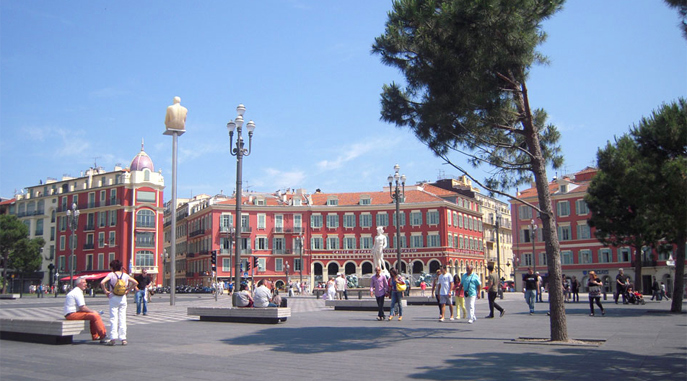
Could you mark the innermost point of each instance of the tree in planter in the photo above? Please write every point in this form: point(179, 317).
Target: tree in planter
point(638, 197)
point(466, 64)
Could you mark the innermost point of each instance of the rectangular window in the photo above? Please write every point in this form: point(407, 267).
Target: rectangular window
point(111, 239)
point(113, 217)
point(332, 221)
point(279, 265)
point(566, 257)
point(349, 220)
point(458, 217)
point(61, 263)
point(226, 221)
point(332, 243)
point(433, 240)
point(432, 217)
point(101, 239)
point(524, 212)
point(316, 221)
point(102, 219)
point(261, 264)
point(144, 196)
point(89, 262)
point(366, 242)
point(564, 233)
point(450, 240)
point(382, 219)
point(605, 255)
point(403, 244)
point(585, 256)
point(527, 260)
point(297, 223)
point(542, 259)
point(62, 242)
point(448, 218)
point(278, 223)
point(366, 220)
point(261, 243)
point(581, 207)
point(226, 264)
point(349, 243)
point(416, 241)
point(624, 255)
point(297, 264)
point(583, 232)
point(316, 243)
point(278, 245)
point(415, 218)
point(101, 261)
point(402, 219)
point(563, 208)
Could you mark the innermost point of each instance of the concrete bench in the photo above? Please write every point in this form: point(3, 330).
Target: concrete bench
point(360, 305)
point(269, 315)
point(42, 331)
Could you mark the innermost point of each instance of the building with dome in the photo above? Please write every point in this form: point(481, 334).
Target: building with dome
point(120, 217)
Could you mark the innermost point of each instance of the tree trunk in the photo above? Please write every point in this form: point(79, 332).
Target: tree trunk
point(4, 273)
point(558, 322)
point(679, 283)
point(638, 268)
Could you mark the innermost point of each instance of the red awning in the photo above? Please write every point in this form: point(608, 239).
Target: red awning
point(94, 276)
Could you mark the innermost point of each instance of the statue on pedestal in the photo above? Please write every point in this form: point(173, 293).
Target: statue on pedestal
point(175, 120)
point(378, 249)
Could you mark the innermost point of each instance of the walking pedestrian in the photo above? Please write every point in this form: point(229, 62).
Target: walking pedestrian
point(471, 285)
point(435, 290)
point(379, 288)
point(423, 287)
point(144, 281)
point(575, 285)
point(595, 285)
point(461, 313)
point(655, 289)
point(620, 287)
point(540, 289)
point(663, 291)
point(444, 285)
point(117, 302)
point(396, 295)
point(492, 291)
point(531, 287)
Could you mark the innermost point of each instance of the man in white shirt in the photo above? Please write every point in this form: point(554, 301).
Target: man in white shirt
point(340, 284)
point(445, 283)
point(75, 309)
point(262, 296)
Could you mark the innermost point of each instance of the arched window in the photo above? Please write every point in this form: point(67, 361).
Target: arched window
point(146, 175)
point(145, 218)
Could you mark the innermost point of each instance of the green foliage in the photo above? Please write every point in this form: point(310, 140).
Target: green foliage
point(681, 6)
point(639, 197)
point(465, 65)
point(12, 231)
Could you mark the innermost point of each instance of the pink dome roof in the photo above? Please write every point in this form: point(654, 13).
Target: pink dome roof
point(142, 161)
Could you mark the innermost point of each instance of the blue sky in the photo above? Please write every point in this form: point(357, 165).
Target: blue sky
point(85, 81)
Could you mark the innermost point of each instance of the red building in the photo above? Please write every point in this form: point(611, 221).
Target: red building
point(120, 217)
point(581, 252)
point(324, 234)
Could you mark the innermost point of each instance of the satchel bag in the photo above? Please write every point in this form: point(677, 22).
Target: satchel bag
point(400, 286)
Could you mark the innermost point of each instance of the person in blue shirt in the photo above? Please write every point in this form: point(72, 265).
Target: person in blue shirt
point(471, 286)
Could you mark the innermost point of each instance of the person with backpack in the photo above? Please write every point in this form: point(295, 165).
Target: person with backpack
point(116, 286)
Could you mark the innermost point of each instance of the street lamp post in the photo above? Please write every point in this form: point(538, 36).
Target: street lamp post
point(73, 217)
point(299, 239)
point(175, 125)
point(534, 238)
point(498, 252)
point(239, 152)
point(164, 266)
point(397, 194)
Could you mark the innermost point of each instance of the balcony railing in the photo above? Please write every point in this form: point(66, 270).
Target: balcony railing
point(646, 263)
point(88, 246)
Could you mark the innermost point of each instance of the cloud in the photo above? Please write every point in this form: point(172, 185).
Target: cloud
point(283, 179)
point(357, 150)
